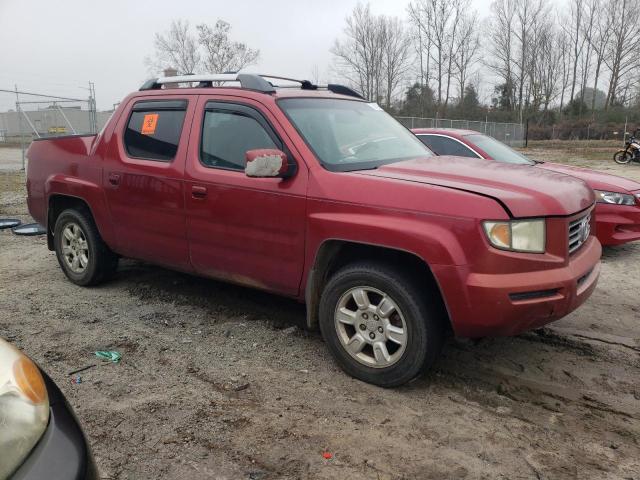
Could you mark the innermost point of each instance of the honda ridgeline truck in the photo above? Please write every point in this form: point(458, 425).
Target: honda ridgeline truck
point(314, 193)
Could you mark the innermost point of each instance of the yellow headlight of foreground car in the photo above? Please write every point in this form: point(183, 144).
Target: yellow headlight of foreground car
point(24, 407)
point(517, 235)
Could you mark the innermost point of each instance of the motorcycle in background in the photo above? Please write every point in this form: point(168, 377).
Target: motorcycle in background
point(631, 152)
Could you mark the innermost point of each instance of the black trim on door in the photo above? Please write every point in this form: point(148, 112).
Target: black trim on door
point(160, 105)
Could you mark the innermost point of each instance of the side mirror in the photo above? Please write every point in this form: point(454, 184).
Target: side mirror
point(266, 162)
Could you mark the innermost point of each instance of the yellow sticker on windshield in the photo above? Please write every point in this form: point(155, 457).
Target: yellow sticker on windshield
point(149, 124)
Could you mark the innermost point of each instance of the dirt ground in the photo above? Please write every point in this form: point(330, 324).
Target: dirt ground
point(10, 159)
point(218, 381)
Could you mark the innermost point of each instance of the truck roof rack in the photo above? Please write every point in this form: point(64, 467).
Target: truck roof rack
point(250, 81)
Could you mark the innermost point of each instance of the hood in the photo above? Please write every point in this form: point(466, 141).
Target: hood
point(596, 180)
point(524, 191)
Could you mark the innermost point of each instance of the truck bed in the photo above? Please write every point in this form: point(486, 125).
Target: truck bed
point(58, 160)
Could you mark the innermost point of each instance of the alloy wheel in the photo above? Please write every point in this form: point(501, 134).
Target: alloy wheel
point(371, 327)
point(75, 249)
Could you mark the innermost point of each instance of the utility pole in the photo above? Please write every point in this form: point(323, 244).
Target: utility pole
point(20, 125)
point(95, 108)
point(93, 117)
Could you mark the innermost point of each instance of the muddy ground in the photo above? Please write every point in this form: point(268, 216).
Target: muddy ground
point(218, 381)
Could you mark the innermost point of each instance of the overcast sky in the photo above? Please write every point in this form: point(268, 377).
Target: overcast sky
point(57, 47)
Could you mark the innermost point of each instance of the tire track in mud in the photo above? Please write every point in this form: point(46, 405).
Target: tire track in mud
point(595, 432)
point(486, 372)
point(575, 340)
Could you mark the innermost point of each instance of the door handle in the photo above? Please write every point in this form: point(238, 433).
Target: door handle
point(114, 179)
point(198, 192)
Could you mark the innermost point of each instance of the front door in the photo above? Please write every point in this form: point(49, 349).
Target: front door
point(143, 178)
point(246, 230)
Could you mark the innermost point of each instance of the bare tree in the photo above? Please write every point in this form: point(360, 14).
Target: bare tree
point(513, 28)
point(441, 24)
point(439, 15)
point(221, 53)
point(528, 16)
point(598, 40)
point(501, 26)
point(573, 27)
point(466, 52)
point(360, 55)
point(563, 45)
point(176, 48)
point(211, 50)
point(315, 74)
point(544, 67)
point(419, 20)
point(623, 47)
point(396, 50)
point(588, 27)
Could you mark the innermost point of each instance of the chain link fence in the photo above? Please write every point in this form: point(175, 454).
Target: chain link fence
point(512, 134)
point(48, 119)
point(38, 115)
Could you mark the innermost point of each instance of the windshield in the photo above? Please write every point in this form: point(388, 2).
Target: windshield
point(350, 135)
point(498, 150)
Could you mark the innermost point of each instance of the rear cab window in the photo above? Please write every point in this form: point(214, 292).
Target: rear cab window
point(154, 129)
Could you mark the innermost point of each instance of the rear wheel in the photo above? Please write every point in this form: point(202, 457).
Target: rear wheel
point(82, 254)
point(622, 157)
point(378, 324)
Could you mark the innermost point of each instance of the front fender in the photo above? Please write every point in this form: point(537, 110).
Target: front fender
point(434, 241)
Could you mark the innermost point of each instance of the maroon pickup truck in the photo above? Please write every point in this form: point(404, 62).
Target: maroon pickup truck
point(314, 193)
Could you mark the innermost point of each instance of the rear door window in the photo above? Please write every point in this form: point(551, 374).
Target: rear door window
point(154, 129)
point(446, 146)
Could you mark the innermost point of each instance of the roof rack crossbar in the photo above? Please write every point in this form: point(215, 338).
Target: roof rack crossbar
point(246, 80)
point(250, 81)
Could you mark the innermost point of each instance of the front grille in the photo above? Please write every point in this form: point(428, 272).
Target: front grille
point(579, 231)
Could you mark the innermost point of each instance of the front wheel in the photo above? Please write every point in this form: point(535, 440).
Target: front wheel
point(378, 325)
point(622, 157)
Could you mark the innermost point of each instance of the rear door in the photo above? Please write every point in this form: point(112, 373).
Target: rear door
point(246, 230)
point(143, 179)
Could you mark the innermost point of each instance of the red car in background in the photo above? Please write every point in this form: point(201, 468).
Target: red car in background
point(618, 198)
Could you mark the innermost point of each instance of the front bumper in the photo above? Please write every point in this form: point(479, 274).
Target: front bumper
point(617, 224)
point(504, 304)
point(63, 452)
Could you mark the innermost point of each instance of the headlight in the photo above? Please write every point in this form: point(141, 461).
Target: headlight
point(517, 235)
point(615, 198)
point(24, 407)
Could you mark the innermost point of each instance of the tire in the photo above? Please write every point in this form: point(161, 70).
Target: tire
point(622, 157)
point(414, 314)
point(76, 236)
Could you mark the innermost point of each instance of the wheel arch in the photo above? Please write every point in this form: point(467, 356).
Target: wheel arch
point(58, 203)
point(333, 254)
